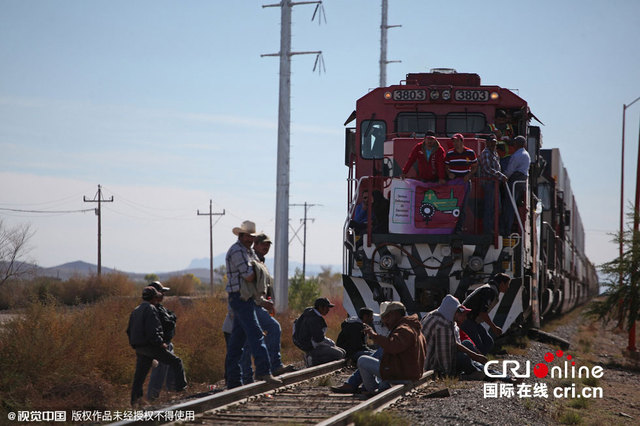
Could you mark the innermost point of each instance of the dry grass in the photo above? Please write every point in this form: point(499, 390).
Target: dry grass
point(76, 290)
point(55, 357)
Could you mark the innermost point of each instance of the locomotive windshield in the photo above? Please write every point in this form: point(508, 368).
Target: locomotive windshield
point(463, 122)
point(373, 134)
point(415, 122)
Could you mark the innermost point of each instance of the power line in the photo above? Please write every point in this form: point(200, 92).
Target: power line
point(47, 211)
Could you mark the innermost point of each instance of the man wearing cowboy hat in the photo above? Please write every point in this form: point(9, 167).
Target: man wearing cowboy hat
point(239, 261)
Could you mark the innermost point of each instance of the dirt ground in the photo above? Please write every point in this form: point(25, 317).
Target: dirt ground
point(591, 345)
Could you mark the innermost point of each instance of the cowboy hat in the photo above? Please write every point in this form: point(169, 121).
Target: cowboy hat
point(247, 227)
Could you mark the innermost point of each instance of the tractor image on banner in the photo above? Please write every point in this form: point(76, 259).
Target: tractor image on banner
point(425, 208)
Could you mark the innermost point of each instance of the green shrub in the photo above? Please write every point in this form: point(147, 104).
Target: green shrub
point(302, 292)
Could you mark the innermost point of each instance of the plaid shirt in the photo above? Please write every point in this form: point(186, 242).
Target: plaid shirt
point(490, 164)
point(238, 265)
point(441, 343)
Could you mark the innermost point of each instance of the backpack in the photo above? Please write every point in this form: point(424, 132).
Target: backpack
point(300, 336)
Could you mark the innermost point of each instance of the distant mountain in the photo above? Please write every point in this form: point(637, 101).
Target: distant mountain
point(198, 267)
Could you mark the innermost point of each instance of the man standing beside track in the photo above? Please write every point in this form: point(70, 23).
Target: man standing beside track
point(147, 338)
point(271, 326)
point(162, 372)
point(240, 261)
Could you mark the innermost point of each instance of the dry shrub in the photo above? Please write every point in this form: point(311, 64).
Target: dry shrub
point(199, 340)
point(183, 285)
point(53, 357)
point(93, 288)
point(76, 290)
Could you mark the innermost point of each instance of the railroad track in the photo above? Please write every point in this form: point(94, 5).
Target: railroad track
point(303, 398)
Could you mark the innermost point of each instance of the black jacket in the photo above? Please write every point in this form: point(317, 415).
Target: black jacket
point(145, 327)
point(309, 326)
point(168, 320)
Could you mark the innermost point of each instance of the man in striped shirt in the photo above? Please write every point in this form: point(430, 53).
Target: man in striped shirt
point(240, 260)
point(460, 161)
point(439, 331)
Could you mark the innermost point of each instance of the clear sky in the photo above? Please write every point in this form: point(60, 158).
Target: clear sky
point(168, 104)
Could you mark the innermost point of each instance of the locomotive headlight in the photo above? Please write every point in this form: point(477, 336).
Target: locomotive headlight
point(387, 261)
point(475, 263)
point(494, 96)
point(446, 95)
point(434, 95)
point(387, 95)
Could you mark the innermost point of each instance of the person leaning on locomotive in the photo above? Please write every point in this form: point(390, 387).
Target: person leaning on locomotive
point(480, 302)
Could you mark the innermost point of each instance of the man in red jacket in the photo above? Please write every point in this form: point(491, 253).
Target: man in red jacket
point(404, 350)
point(430, 156)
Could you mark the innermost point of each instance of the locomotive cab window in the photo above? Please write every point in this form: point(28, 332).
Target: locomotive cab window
point(462, 122)
point(373, 133)
point(415, 122)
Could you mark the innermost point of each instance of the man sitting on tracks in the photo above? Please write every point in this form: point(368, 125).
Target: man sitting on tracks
point(403, 351)
point(352, 338)
point(444, 346)
point(481, 301)
point(309, 335)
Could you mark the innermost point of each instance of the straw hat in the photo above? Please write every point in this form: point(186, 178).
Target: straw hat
point(247, 227)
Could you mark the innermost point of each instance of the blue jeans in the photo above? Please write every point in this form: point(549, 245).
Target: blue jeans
point(479, 335)
point(158, 376)
point(272, 340)
point(245, 329)
point(369, 368)
point(355, 380)
point(464, 364)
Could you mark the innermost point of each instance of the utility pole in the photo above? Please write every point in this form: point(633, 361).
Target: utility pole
point(281, 261)
point(211, 214)
point(98, 199)
point(304, 238)
point(383, 44)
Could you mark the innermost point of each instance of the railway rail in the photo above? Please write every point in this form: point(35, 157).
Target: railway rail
point(303, 398)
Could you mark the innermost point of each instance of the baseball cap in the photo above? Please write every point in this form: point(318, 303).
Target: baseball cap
point(462, 309)
point(387, 307)
point(322, 301)
point(158, 286)
point(262, 238)
point(149, 293)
